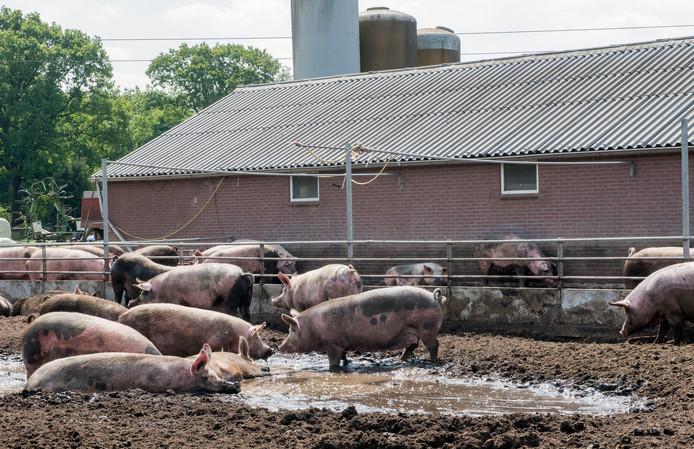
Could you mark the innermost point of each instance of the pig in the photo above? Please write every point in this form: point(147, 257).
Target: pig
point(86, 304)
point(97, 250)
point(232, 366)
point(65, 264)
point(383, 319)
point(162, 254)
point(665, 297)
point(63, 334)
point(5, 306)
point(220, 287)
point(111, 371)
point(642, 268)
point(130, 269)
point(31, 305)
point(248, 258)
point(287, 262)
point(179, 330)
point(510, 250)
point(313, 287)
point(427, 273)
point(13, 262)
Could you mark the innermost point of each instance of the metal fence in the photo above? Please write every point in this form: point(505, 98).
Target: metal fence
point(580, 262)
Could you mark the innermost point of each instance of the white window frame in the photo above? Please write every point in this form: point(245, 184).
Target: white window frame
point(520, 192)
point(299, 200)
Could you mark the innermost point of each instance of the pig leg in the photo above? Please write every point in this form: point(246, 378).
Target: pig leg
point(677, 327)
point(662, 331)
point(407, 353)
point(335, 354)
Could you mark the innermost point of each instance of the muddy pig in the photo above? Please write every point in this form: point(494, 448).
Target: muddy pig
point(63, 334)
point(5, 306)
point(427, 273)
point(232, 366)
point(130, 269)
point(13, 262)
point(31, 305)
point(642, 268)
point(220, 287)
point(665, 297)
point(384, 319)
point(179, 330)
point(509, 250)
point(65, 264)
point(313, 287)
point(111, 371)
point(162, 254)
point(87, 304)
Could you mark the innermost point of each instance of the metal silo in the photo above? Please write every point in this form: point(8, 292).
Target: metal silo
point(325, 37)
point(437, 46)
point(387, 39)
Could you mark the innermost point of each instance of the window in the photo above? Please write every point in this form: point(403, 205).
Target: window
point(303, 188)
point(518, 178)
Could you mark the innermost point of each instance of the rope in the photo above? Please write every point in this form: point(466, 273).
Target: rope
point(377, 175)
point(320, 158)
point(182, 227)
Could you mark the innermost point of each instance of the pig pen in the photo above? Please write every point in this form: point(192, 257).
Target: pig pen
point(659, 374)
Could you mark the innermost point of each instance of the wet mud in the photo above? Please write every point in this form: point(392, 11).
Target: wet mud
point(659, 374)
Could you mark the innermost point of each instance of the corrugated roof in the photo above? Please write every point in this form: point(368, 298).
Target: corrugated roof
point(620, 97)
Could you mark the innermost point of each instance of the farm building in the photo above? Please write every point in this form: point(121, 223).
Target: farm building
point(435, 153)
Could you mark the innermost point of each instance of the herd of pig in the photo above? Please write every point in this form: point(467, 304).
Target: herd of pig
point(187, 327)
point(180, 333)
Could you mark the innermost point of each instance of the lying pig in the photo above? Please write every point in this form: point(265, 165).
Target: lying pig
point(65, 264)
point(220, 287)
point(427, 273)
point(130, 269)
point(666, 297)
point(13, 262)
point(86, 304)
point(31, 305)
point(528, 258)
point(161, 254)
point(313, 287)
point(111, 371)
point(5, 306)
point(642, 268)
point(63, 334)
point(376, 320)
point(179, 330)
point(232, 366)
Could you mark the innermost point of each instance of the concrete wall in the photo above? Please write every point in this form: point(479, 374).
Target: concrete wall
point(569, 312)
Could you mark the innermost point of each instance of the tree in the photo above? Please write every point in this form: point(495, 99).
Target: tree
point(198, 76)
point(46, 78)
point(153, 112)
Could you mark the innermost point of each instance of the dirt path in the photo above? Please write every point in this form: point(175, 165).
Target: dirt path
point(663, 374)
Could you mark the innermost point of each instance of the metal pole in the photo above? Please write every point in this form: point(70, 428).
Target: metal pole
point(348, 188)
point(685, 188)
point(104, 215)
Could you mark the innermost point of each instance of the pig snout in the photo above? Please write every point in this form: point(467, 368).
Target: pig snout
point(230, 388)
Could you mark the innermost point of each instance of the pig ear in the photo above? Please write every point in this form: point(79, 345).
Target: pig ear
point(294, 312)
point(284, 279)
point(427, 269)
point(77, 290)
point(243, 348)
point(255, 329)
point(144, 286)
point(621, 303)
point(290, 321)
point(201, 361)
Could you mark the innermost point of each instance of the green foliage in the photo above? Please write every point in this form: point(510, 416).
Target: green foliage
point(198, 76)
point(152, 113)
point(43, 201)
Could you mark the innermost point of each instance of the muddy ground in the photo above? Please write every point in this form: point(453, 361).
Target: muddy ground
point(663, 374)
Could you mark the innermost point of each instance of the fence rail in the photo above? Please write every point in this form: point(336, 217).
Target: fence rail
point(580, 262)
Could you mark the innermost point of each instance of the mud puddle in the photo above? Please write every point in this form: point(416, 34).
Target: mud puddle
point(303, 381)
point(13, 375)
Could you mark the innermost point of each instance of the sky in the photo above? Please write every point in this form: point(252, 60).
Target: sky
point(135, 32)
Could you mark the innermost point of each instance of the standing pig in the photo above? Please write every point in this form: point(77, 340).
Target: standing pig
point(248, 258)
point(666, 297)
point(97, 250)
point(86, 304)
point(634, 267)
point(130, 269)
point(513, 249)
point(313, 287)
point(220, 287)
point(162, 254)
point(65, 264)
point(112, 371)
point(179, 330)
point(287, 262)
point(13, 262)
point(376, 320)
point(428, 273)
point(63, 334)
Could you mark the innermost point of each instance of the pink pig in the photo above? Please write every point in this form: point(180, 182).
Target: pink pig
point(313, 287)
point(65, 264)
